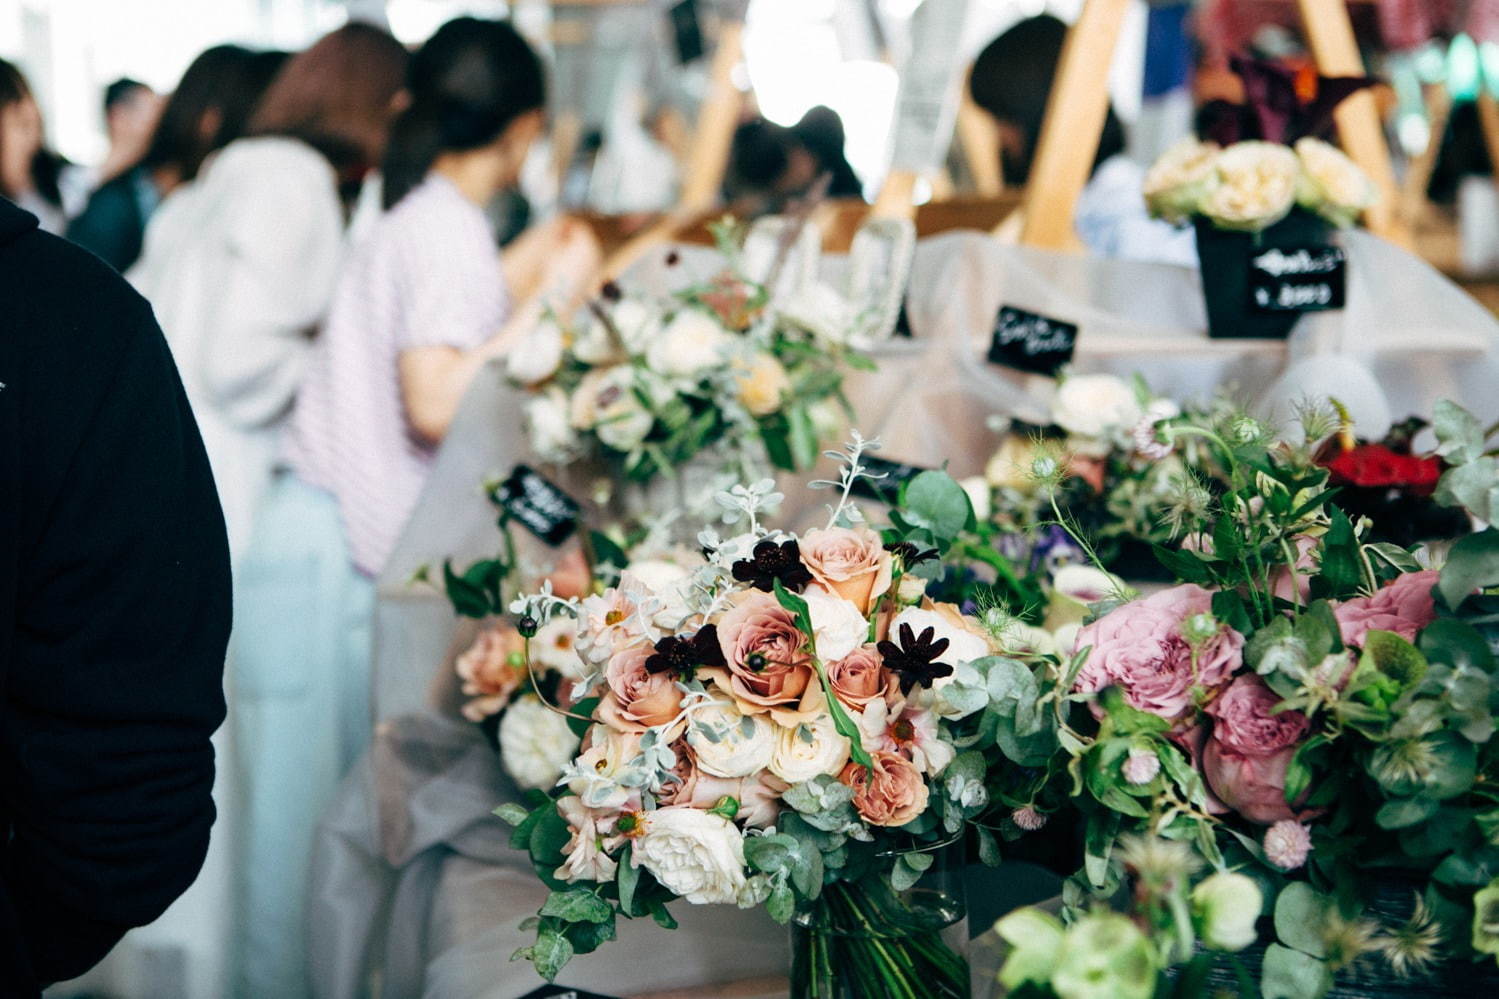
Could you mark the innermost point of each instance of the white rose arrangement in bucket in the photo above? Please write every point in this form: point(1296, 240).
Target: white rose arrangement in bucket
point(1261, 182)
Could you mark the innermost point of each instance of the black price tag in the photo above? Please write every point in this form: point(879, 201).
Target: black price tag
point(538, 505)
point(1298, 279)
point(562, 992)
point(687, 30)
point(885, 489)
point(1028, 341)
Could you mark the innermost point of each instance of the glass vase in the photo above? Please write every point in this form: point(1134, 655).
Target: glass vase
point(863, 939)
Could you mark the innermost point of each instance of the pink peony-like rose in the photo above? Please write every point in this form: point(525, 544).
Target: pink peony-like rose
point(637, 699)
point(892, 795)
point(768, 663)
point(1297, 586)
point(1245, 722)
point(850, 561)
point(1192, 740)
point(861, 677)
point(1253, 786)
point(491, 670)
point(759, 796)
point(1405, 606)
point(683, 790)
point(1139, 647)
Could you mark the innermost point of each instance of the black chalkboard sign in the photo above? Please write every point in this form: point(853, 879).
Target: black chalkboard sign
point(562, 992)
point(1031, 342)
point(687, 31)
point(538, 505)
point(1298, 278)
point(893, 474)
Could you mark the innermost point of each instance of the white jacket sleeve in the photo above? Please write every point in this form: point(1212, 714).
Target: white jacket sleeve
point(282, 243)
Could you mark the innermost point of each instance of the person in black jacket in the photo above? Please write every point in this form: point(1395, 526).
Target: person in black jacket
point(114, 614)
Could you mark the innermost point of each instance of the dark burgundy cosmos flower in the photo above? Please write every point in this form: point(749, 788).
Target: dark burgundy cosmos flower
point(770, 562)
point(683, 655)
point(915, 659)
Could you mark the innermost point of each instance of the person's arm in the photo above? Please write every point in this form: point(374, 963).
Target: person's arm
point(122, 617)
point(434, 379)
point(284, 244)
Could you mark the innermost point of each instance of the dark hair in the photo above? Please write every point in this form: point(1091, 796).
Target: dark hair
point(758, 157)
point(1012, 79)
point(820, 132)
point(46, 166)
point(337, 95)
point(226, 81)
point(467, 83)
point(119, 91)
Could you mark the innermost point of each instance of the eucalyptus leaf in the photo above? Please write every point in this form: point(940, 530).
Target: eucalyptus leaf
point(935, 501)
point(1471, 487)
point(576, 905)
point(512, 813)
point(550, 953)
point(1290, 974)
point(1402, 813)
point(1300, 915)
point(1472, 564)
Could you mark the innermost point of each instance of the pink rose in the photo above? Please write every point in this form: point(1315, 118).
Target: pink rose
point(1253, 786)
point(491, 670)
point(759, 796)
point(683, 790)
point(1139, 647)
point(1245, 722)
point(1305, 568)
point(850, 561)
point(768, 663)
point(892, 795)
point(861, 677)
point(637, 699)
point(1405, 606)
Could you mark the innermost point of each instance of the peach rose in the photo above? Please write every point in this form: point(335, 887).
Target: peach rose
point(891, 796)
point(491, 670)
point(861, 677)
point(768, 663)
point(759, 796)
point(763, 384)
point(637, 699)
point(850, 561)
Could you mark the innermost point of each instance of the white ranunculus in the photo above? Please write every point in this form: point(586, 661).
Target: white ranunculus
point(819, 309)
point(538, 356)
point(797, 758)
point(671, 583)
point(596, 346)
point(1094, 405)
point(977, 488)
point(693, 342)
point(1256, 186)
point(535, 743)
point(606, 403)
point(1179, 182)
point(549, 424)
point(638, 324)
point(829, 419)
point(1225, 908)
point(693, 853)
point(599, 771)
point(555, 647)
point(744, 743)
point(1331, 184)
point(837, 625)
point(963, 646)
point(1019, 638)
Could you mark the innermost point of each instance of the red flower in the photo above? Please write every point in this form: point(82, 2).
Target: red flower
point(1375, 465)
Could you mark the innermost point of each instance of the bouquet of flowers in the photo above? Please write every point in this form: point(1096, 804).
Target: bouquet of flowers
point(647, 383)
point(1307, 706)
point(1096, 471)
point(794, 724)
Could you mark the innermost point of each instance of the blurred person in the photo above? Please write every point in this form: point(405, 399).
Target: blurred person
point(768, 167)
point(209, 109)
point(32, 175)
point(1011, 79)
point(130, 112)
point(820, 132)
point(117, 601)
point(419, 309)
point(241, 269)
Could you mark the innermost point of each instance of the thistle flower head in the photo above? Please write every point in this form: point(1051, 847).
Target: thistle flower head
point(1317, 419)
point(1415, 944)
point(1287, 844)
point(1141, 766)
point(1403, 763)
point(1186, 504)
point(1348, 940)
point(1027, 818)
point(1158, 863)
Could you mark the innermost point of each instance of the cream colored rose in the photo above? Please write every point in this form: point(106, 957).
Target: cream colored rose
point(694, 854)
point(977, 488)
point(535, 743)
point(819, 309)
point(605, 760)
point(837, 626)
point(692, 343)
point(538, 356)
point(606, 403)
point(829, 419)
point(1095, 405)
point(763, 384)
point(743, 743)
point(1331, 184)
point(1179, 182)
point(549, 424)
point(849, 561)
point(805, 751)
point(1256, 186)
point(671, 584)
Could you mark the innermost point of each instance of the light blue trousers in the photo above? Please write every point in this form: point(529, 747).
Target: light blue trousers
point(300, 703)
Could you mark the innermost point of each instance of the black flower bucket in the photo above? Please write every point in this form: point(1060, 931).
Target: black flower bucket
point(1227, 289)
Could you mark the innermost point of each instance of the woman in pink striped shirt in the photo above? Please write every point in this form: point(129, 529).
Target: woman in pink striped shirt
point(419, 309)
